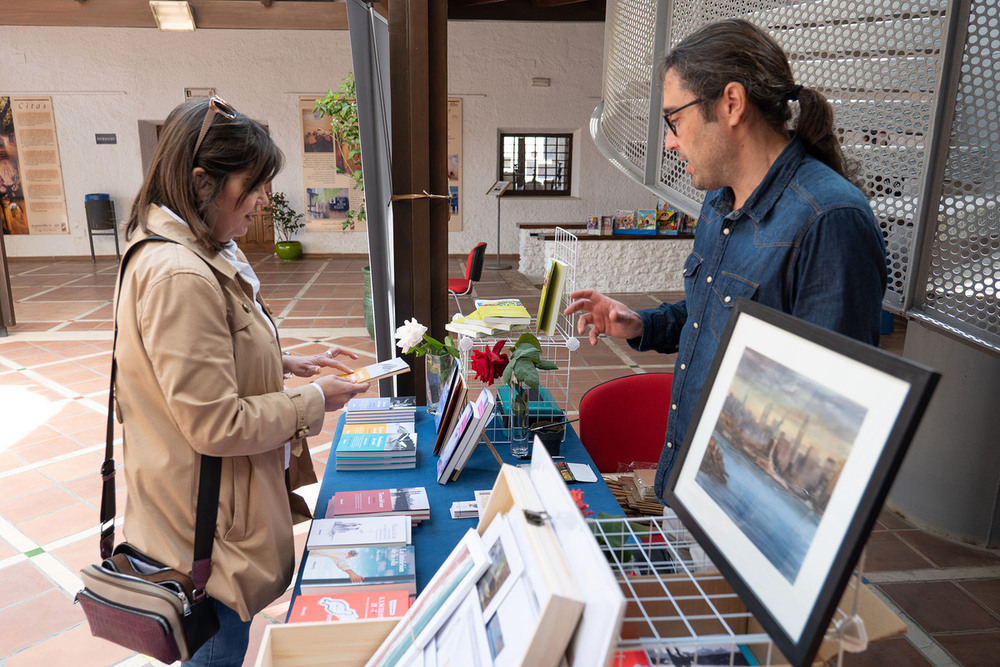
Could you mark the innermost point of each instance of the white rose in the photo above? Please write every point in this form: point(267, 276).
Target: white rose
point(410, 335)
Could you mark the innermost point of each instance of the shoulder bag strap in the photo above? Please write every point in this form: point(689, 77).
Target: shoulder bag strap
point(208, 485)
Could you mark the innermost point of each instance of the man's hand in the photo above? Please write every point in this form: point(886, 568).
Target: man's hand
point(309, 365)
point(338, 391)
point(604, 316)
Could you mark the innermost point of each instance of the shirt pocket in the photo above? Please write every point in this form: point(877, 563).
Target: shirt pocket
point(727, 288)
point(691, 266)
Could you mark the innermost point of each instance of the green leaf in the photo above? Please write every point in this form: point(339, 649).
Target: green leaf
point(529, 338)
point(545, 365)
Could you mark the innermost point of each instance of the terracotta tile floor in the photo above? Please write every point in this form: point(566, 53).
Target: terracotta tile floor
point(53, 399)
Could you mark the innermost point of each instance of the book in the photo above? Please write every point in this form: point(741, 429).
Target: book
point(359, 531)
point(445, 591)
point(594, 225)
point(502, 311)
point(475, 318)
point(382, 369)
point(645, 220)
point(607, 225)
point(482, 413)
point(367, 568)
point(376, 464)
point(624, 222)
point(474, 323)
point(386, 440)
point(465, 437)
point(550, 304)
point(463, 330)
point(451, 412)
point(410, 501)
point(446, 390)
point(349, 606)
point(380, 409)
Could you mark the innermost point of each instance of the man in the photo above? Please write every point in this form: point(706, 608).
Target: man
point(780, 225)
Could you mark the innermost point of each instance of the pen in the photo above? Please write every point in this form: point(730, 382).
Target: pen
point(540, 427)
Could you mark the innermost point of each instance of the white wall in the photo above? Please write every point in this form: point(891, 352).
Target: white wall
point(104, 80)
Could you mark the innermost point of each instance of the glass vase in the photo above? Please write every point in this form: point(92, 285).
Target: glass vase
point(437, 368)
point(519, 443)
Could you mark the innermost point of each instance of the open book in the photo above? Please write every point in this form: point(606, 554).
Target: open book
point(382, 369)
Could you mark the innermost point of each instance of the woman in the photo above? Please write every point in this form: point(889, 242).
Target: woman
point(200, 371)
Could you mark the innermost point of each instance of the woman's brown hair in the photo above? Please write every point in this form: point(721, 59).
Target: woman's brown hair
point(231, 146)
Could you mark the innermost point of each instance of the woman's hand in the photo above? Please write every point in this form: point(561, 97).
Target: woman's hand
point(308, 365)
point(338, 391)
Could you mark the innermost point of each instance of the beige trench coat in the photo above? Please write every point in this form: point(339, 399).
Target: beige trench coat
point(199, 372)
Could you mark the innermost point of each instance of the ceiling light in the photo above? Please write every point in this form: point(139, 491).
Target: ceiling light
point(172, 16)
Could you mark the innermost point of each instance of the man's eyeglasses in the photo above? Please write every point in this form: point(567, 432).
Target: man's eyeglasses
point(667, 115)
point(216, 105)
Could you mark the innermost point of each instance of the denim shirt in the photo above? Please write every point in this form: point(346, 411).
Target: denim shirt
point(805, 243)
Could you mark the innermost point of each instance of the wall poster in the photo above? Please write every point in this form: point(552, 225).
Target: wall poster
point(32, 199)
point(455, 162)
point(329, 194)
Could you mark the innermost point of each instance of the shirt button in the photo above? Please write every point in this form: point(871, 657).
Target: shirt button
point(670, 445)
point(683, 367)
point(726, 231)
point(695, 325)
point(673, 407)
point(709, 279)
point(727, 299)
point(246, 308)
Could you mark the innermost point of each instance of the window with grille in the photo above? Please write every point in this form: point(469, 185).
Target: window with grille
point(536, 164)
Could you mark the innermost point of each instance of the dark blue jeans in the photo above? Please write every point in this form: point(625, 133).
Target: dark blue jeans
point(228, 647)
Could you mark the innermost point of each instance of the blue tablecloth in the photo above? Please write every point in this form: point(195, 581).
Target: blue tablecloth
point(434, 539)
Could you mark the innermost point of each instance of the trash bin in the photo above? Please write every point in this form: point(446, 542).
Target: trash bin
point(100, 211)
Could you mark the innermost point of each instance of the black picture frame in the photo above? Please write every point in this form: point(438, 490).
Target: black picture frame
point(792, 448)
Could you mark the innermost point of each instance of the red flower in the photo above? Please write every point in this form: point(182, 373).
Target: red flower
point(578, 499)
point(489, 364)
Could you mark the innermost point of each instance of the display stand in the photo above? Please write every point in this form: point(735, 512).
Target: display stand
point(558, 348)
point(493, 450)
point(497, 190)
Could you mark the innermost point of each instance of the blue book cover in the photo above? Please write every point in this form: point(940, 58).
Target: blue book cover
point(374, 567)
point(398, 439)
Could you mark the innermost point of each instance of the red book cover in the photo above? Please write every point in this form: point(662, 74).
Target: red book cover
point(349, 606)
point(412, 501)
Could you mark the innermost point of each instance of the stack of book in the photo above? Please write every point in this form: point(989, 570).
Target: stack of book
point(491, 317)
point(377, 446)
point(380, 410)
point(411, 502)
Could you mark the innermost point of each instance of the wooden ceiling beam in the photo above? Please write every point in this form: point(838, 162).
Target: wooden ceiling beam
point(208, 14)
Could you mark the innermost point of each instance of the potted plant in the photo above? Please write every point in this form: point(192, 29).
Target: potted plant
point(286, 221)
point(341, 108)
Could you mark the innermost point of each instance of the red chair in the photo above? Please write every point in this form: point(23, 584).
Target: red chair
point(473, 272)
point(625, 419)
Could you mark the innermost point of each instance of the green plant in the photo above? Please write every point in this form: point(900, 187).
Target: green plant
point(286, 219)
point(341, 108)
point(525, 362)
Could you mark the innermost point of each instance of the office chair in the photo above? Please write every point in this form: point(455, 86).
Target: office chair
point(473, 272)
point(625, 419)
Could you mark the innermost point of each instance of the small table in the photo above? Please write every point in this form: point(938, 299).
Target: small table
point(435, 538)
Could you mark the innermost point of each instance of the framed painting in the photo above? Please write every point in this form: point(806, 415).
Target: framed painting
point(797, 436)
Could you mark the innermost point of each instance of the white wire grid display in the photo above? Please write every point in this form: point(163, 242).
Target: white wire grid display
point(680, 610)
point(557, 348)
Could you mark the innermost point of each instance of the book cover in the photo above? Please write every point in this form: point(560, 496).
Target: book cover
point(482, 412)
point(384, 531)
point(376, 464)
point(502, 311)
point(463, 330)
point(451, 412)
point(645, 219)
point(387, 404)
point(406, 500)
point(370, 568)
point(624, 222)
point(391, 440)
point(475, 323)
point(378, 371)
point(445, 462)
point(607, 225)
point(594, 225)
point(349, 606)
point(550, 304)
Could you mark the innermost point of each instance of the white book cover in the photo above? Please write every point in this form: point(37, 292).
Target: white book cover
point(359, 531)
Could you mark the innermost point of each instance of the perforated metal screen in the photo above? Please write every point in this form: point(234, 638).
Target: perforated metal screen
point(913, 90)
